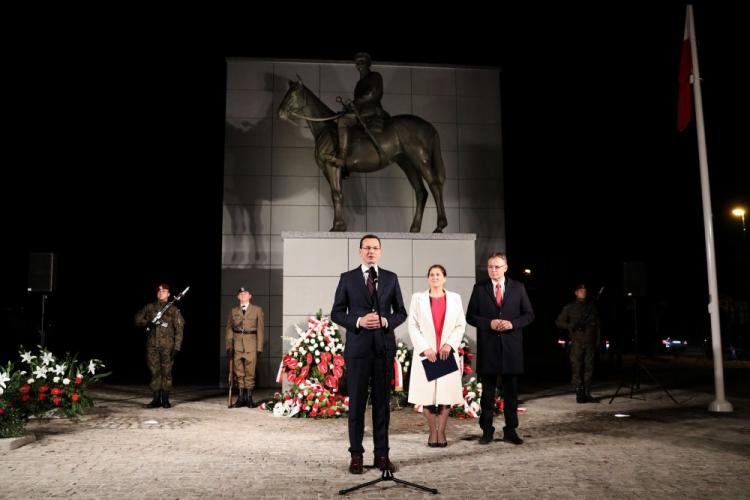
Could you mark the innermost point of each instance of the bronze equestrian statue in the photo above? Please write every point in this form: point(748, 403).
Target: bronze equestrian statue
point(370, 140)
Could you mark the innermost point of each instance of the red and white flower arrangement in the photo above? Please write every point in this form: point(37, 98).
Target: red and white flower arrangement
point(314, 365)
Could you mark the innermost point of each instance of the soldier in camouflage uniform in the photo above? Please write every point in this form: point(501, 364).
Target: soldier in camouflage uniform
point(244, 340)
point(581, 319)
point(163, 342)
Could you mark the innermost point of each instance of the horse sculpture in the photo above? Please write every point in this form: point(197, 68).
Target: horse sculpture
point(408, 140)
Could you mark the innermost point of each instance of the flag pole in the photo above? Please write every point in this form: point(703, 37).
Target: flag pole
point(719, 404)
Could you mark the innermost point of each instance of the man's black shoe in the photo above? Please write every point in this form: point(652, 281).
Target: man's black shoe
point(486, 439)
point(512, 438)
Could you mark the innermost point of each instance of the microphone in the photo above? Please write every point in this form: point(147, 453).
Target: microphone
point(374, 274)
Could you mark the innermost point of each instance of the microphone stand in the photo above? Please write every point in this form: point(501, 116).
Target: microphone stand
point(387, 475)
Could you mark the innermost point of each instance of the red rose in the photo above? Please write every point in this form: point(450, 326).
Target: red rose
point(56, 391)
point(309, 358)
point(24, 388)
point(468, 370)
point(2, 411)
point(79, 379)
point(43, 388)
point(310, 397)
point(323, 367)
point(291, 376)
point(338, 372)
point(56, 401)
point(326, 357)
point(75, 396)
point(469, 356)
point(332, 381)
point(42, 396)
point(331, 412)
point(313, 413)
point(304, 372)
point(315, 407)
point(293, 364)
point(25, 397)
point(338, 360)
point(460, 351)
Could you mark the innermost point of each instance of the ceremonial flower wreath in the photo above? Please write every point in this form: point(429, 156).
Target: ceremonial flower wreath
point(472, 389)
point(315, 366)
point(44, 385)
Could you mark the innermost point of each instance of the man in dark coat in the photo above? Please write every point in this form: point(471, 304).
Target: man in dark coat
point(499, 309)
point(370, 347)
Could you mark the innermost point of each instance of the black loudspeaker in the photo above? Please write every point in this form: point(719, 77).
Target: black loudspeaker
point(42, 272)
point(634, 279)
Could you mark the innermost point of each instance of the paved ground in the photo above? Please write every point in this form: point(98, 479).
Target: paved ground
point(200, 449)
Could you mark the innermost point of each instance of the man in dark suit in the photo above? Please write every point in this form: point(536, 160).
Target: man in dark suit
point(499, 309)
point(370, 346)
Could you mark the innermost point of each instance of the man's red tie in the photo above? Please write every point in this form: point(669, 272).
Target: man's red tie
point(499, 294)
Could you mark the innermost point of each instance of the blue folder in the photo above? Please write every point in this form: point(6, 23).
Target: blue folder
point(440, 367)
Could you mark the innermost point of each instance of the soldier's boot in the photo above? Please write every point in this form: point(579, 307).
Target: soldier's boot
point(165, 400)
point(240, 399)
point(580, 395)
point(587, 397)
point(156, 401)
point(250, 402)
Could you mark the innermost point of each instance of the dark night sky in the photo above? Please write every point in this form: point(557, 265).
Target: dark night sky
point(116, 148)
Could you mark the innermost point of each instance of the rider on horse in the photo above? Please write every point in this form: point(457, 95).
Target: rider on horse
point(365, 106)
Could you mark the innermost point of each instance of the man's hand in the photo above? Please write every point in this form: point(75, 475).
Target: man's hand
point(430, 354)
point(371, 321)
point(445, 351)
point(501, 325)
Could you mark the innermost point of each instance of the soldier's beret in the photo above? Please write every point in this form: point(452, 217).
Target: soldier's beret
point(243, 289)
point(162, 286)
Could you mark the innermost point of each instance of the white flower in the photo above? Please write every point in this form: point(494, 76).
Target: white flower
point(320, 337)
point(479, 385)
point(317, 352)
point(307, 340)
point(60, 369)
point(92, 367)
point(47, 358)
point(3, 379)
point(66, 381)
point(40, 372)
point(472, 379)
point(30, 381)
point(406, 369)
point(401, 344)
point(1, 391)
point(317, 360)
point(278, 410)
point(407, 363)
point(23, 372)
point(27, 357)
point(56, 380)
point(474, 406)
point(328, 349)
point(471, 395)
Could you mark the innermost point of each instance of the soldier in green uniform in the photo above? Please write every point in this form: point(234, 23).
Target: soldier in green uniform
point(581, 319)
point(164, 340)
point(244, 337)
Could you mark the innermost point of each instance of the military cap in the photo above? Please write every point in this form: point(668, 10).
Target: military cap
point(243, 290)
point(162, 286)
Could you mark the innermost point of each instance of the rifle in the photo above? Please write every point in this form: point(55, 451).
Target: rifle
point(231, 379)
point(579, 325)
point(157, 319)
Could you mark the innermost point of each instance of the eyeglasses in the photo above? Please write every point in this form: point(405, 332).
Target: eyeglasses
point(367, 249)
point(496, 267)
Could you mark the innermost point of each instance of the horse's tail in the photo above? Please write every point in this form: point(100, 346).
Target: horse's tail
point(438, 167)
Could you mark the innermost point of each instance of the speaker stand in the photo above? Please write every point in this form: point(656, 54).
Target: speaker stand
point(42, 334)
point(635, 383)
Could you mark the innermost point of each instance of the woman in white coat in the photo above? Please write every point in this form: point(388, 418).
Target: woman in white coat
point(436, 328)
